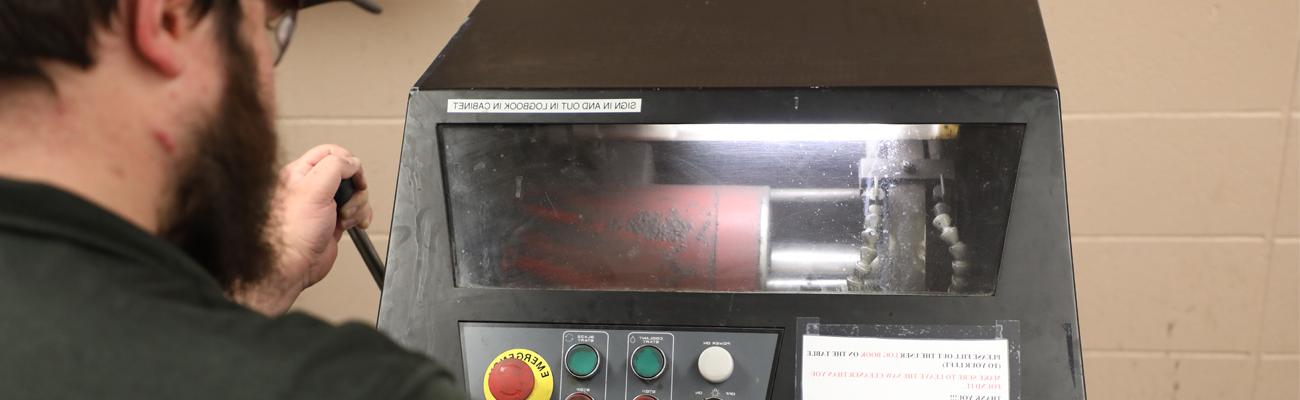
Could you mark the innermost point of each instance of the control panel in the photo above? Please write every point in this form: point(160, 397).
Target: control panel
point(541, 362)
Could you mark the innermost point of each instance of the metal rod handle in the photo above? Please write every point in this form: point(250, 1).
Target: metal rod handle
point(359, 237)
point(368, 254)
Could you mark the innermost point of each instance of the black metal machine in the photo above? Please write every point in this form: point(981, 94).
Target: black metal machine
point(733, 199)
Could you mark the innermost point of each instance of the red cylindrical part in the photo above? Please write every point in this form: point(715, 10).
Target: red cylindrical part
point(660, 237)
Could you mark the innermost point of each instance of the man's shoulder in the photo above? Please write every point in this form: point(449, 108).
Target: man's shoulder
point(355, 361)
point(347, 361)
point(82, 324)
point(204, 353)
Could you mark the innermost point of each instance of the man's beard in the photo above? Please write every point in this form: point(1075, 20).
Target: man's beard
point(222, 200)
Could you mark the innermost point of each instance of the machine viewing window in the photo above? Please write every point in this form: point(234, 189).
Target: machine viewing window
point(840, 208)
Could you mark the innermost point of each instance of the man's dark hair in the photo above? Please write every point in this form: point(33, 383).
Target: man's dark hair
point(220, 228)
point(33, 31)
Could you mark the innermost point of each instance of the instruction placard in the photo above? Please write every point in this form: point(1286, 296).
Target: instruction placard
point(544, 106)
point(904, 369)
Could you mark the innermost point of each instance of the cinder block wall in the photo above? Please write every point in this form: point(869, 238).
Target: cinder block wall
point(1182, 126)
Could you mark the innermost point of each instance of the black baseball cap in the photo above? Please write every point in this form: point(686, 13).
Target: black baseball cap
point(368, 5)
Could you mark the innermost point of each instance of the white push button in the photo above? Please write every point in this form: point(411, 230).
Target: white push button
point(716, 364)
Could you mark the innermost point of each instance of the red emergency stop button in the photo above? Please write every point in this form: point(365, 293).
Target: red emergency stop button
point(510, 379)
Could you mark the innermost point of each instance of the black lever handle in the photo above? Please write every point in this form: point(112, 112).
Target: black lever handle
point(359, 236)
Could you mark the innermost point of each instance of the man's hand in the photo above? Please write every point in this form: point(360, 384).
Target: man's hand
point(306, 225)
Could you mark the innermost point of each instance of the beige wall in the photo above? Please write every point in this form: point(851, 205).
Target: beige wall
point(1181, 127)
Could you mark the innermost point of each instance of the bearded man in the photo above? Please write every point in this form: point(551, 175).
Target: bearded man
point(148, 248)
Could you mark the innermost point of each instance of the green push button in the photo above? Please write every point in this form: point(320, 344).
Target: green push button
point(582, 361)
point(648, 362)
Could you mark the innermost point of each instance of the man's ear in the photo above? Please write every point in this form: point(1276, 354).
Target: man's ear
point(157, 29)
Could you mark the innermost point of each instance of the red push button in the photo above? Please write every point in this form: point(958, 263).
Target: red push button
point(510, 379)
point(644, 397)
point(578, 396)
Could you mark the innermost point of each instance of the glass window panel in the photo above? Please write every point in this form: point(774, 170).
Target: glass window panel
point(832, 208)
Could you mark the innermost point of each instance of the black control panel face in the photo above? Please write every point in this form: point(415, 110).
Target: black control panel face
point(626, 363)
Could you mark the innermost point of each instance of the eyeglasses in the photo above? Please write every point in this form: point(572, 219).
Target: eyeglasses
point(282, 17)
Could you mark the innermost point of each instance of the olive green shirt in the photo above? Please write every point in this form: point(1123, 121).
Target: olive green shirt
point(92, 307)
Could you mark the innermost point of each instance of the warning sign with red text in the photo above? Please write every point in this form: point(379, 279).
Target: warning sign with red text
point(904, 369)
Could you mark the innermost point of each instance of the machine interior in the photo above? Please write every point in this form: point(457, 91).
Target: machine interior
point(830, 208)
